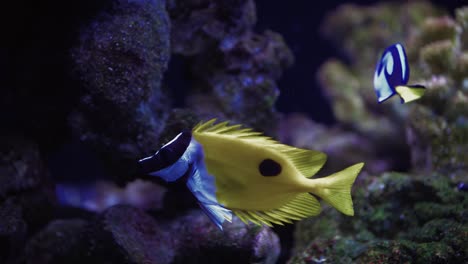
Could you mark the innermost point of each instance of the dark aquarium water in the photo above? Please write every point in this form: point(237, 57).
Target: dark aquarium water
point(91, 88)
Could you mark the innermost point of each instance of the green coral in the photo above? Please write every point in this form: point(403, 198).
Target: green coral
point(400, 218)
point(462, 19)
point(439, 119)
point(436, 47)
point(363, 33)
point(439, 56)
point(442, 132)
point(435, 29)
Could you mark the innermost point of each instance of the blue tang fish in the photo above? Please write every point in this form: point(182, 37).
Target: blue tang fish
point(234, 170)
point(392, 74)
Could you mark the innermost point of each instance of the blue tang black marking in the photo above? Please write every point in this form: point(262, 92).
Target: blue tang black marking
point(392, 74)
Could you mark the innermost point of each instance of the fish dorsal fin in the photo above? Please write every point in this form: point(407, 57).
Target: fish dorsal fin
point(308, 162)
point(228, 130)
point(302, 206)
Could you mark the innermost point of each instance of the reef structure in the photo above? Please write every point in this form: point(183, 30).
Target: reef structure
point(416, 216)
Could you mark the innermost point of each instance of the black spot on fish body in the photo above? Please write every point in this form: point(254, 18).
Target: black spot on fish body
point(168, 154)
point(269, 167)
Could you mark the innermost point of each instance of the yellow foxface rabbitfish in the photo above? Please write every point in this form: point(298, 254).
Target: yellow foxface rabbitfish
point(392, 74)
point(236, 170)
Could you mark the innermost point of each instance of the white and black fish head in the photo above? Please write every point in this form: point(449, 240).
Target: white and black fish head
point(171, 161)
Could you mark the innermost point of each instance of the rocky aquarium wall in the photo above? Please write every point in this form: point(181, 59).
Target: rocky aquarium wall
point(89, 90)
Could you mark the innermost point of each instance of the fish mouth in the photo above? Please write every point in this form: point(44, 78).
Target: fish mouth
point(169, 154)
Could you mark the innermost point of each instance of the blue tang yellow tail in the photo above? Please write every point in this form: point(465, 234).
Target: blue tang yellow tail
point(236, 170)
point(392, 74)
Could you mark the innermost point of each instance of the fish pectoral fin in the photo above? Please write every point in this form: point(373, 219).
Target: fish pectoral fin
point(302, 206)
point(202, 185)
point(410, 93)
point(336, 189)
point(217, 213)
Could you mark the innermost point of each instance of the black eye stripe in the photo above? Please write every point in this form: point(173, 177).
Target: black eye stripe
point(269, 167)
point(171, 152)
point(168, 154)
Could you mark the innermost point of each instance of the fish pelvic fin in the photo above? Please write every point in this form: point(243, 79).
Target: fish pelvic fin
point(336, 188)
point(410, 93)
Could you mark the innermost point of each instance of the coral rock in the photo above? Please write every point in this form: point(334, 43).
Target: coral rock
point(62, 241)
point(399, 218)
point(438, 28)
point(200, 241)
point(132, 234)
point(120, 61)
point(21, 167)
point(439, 56)
point(199, 25)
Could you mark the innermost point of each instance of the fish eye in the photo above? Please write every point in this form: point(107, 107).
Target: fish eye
point(269, 167)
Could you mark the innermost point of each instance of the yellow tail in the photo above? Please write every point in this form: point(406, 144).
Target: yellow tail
point(410, 93)
point(336, 188)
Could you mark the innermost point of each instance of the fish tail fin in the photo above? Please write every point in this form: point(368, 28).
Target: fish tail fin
point(336, 188)
point(410, 93)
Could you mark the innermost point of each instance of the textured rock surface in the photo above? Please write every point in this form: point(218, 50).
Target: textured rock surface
point(234, 69)
point(124, 234)
point(239, 81)
point(200, 25)
point(61, 241)
point(25, 194)
point(120, 60)
point(21, 167)
point(136, 236)
point(202, 242)
point(21, 216)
